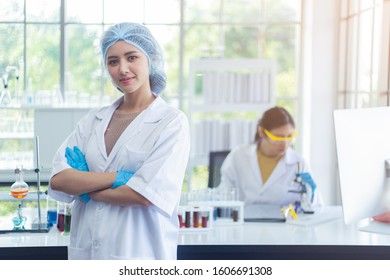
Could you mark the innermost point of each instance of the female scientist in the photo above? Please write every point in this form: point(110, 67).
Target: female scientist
point(269, 171)
point(124, 164)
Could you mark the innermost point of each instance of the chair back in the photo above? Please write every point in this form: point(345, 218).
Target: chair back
point(216, 159)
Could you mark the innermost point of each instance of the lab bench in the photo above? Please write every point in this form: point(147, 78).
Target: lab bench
point(332, 240)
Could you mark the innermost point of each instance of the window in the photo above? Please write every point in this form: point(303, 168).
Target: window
point(53, 48)
point(364, 54)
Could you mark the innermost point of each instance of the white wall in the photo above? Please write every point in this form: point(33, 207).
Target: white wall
point(319, 94)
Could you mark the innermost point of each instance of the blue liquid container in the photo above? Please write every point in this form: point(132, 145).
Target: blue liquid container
point(51, 217)
point(51, 210)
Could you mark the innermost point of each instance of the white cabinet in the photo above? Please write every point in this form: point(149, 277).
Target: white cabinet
point(226, 99)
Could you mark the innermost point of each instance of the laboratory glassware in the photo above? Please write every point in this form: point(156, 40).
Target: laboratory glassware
point(19, 191)
point(51, 210)
point(61, 216)
point(67, 217)
point(5, 97)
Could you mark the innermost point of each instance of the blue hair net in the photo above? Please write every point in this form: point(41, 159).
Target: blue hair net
point(140, 37)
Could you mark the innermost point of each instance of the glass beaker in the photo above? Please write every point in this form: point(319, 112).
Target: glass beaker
point(51, 209)
point(67, 217)
point(60, 216)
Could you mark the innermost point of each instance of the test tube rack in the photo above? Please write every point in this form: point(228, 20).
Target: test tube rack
point(224, 212)
point(229, 212)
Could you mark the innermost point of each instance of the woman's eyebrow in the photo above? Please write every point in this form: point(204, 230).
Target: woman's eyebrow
point(127, 53)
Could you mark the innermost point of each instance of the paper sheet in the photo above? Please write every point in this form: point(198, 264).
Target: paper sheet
point(321, 215)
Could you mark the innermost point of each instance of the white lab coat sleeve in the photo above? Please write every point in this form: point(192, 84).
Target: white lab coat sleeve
point(160, 178)
point(76, 138)
point(229, 171)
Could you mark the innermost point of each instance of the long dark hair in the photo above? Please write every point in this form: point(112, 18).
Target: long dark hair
point(274, 118)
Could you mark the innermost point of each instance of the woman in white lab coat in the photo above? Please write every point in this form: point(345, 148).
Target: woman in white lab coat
point(127, 178)
point(265, 172)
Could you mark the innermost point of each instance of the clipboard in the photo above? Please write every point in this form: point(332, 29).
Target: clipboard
point(263, 213)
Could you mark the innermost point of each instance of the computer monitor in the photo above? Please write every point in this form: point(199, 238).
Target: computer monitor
point(363, 145)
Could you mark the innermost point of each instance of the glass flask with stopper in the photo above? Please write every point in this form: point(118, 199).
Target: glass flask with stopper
point(19, 191)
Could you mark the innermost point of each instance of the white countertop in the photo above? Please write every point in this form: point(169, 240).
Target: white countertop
point(330, 233)
point(333, 232)
point(34, 239)
point(319, 230)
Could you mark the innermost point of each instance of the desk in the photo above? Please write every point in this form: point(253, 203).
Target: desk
point(330, 240)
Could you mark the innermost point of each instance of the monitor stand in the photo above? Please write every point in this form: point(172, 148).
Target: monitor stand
point(376, 227)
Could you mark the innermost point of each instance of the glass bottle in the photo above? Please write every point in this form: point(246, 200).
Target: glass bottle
point(19, 189)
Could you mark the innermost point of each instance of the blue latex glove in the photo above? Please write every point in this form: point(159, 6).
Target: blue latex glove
point(306, 178)
point(85, 197)
point(121, 178)
point(77, 161)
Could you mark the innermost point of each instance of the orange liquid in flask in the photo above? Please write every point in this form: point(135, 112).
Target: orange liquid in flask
point(19, 193)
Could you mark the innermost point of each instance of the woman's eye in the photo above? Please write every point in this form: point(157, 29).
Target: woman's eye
point(112, 62)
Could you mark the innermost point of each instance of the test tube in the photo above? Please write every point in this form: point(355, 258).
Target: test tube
point(205, 217)
point(196, 217)
point(188, 219)
point(235, 215)
point(180, 217)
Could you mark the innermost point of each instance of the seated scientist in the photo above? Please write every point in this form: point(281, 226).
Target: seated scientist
point(269, 171)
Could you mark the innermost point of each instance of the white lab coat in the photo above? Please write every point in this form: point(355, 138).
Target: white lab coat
point(241, 170)
point(155, 146)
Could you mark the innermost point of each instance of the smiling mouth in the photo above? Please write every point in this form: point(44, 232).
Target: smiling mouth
point(126, 80)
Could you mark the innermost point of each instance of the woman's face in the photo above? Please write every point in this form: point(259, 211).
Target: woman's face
point(128, 67)
point(276, 147)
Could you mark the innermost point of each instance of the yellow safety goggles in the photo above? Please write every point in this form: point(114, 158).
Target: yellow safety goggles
point(281, 139)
